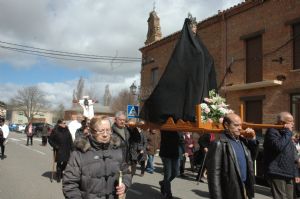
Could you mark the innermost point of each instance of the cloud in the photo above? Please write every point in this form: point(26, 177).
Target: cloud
point(111, 28)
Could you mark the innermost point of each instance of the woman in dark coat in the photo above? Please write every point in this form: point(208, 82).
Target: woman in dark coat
point(62, 143)
point(93, 170)
point(137, 147)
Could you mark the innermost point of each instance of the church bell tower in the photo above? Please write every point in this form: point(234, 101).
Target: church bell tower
point(154, 31)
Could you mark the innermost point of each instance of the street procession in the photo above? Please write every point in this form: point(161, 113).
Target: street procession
point(171, 100)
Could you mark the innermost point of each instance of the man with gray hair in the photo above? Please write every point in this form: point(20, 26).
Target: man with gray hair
point(119, 128)
point(280, 159)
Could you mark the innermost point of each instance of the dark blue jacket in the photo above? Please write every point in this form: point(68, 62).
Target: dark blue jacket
point(279, 154)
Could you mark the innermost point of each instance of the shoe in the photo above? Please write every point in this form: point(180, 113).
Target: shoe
point(183, 176)
point(149, 171)
point(142, 174)
point(27, 144)
point(203, 180)
point(161, 184)
point(168, 196)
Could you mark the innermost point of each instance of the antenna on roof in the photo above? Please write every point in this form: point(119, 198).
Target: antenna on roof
point(154, 5)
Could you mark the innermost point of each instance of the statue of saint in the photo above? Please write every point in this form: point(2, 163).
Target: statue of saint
point(87, 105)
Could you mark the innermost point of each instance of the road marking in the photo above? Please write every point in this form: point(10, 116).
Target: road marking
point(36, 139)
point(13, 139)
point(32, 149)
point(29, 148)
point(135, 192)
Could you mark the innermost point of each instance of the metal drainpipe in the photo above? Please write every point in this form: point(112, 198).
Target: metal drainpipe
point(225, 21)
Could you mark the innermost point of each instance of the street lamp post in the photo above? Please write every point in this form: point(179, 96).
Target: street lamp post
point(134, 93)
point(133, 88)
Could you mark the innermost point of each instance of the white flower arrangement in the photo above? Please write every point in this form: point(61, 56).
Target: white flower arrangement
point(214, 108)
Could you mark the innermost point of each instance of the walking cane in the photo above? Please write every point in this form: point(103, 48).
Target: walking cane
point(201, 169)
point(53, 165)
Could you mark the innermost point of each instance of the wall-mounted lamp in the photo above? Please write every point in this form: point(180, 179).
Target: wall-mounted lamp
point(279, 60)
point(281, 77)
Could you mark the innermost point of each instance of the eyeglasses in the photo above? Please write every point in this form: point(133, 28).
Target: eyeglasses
point(102, 131)
point(121, 120)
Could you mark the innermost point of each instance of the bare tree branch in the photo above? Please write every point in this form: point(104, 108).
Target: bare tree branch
point(30, 100)
point(120, 102)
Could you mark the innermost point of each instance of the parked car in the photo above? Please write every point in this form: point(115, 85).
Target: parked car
point(21, 128)
point(12, 127)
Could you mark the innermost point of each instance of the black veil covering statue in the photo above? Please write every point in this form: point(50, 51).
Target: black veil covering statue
point(187, 79)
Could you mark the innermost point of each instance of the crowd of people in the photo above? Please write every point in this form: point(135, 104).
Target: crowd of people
point(102, 158)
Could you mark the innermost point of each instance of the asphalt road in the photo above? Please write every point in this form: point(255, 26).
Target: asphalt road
point(25, 174)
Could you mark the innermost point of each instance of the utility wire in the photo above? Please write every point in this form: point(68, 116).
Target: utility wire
point(64, 53)
point(62, 58)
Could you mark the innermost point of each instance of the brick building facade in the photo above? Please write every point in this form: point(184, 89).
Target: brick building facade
point(258, 44)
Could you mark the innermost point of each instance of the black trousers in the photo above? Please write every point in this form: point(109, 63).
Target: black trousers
point(183, 161)
point(182, 165)
point(29, 138)
point(2, 146)
point(133, 167)
point(60, 167)
point(44, 140)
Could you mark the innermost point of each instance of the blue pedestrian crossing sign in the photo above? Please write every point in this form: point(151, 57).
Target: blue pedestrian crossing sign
point(132, 111)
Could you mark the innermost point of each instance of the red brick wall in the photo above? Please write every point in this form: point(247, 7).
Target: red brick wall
point(222, 36)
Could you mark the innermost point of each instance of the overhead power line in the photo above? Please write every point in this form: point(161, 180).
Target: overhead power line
point(66, 55)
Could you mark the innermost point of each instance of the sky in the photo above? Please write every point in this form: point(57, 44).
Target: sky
point(115, 28)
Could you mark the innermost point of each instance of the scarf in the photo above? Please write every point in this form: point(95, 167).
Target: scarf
point(98, 145)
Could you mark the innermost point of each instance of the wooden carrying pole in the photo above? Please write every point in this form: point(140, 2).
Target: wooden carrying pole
point(199, 126)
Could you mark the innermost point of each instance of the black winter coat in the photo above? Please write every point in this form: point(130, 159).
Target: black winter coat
point(61, 140)
point(223, 173)
point(93, 173)
point(137, 143)
point(170, 143)
point(279, 153)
